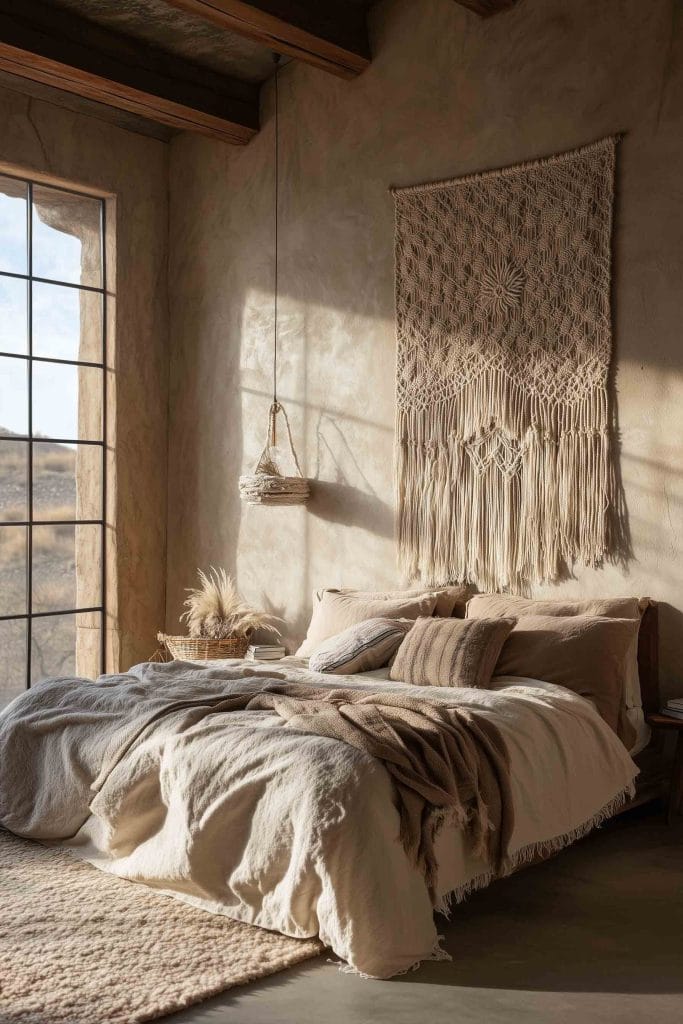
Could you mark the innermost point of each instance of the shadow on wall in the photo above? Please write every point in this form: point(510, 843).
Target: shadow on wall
point(341, 500)
point(346, 505)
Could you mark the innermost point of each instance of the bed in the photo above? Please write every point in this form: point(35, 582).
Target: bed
point(240, 815)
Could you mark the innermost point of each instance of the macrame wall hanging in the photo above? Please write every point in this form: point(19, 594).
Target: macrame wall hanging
point(503, 466)
point(269, 484)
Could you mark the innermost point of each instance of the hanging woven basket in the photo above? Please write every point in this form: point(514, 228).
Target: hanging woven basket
point(268, 485)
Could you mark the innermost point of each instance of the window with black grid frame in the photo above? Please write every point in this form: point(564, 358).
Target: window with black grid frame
point(52, 433)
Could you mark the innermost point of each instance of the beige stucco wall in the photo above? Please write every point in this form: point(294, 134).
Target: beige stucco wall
point(446, 94)
point(40, 138)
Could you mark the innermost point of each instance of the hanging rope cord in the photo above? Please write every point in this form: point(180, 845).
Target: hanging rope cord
point(265, 463)
point(276, 58)
point(267, 485)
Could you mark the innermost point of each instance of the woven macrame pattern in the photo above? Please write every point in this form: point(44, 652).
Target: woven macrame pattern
point(504, 344)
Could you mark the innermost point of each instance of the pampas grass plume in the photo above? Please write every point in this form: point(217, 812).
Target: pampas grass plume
point(215, 609)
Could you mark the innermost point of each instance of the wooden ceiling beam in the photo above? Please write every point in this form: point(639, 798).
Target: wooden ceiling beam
point(54, 47)
point(329, 34)
point(485, 8)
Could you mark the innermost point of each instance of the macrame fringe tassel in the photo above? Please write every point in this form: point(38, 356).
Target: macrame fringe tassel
point(499, 488)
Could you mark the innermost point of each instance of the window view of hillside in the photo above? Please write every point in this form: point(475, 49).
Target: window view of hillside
point(54, 562)
point(51, 414)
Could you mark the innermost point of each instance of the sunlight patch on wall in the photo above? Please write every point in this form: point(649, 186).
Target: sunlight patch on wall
point(336, 380)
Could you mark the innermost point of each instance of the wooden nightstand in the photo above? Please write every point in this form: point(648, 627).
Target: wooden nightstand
point(659, 721)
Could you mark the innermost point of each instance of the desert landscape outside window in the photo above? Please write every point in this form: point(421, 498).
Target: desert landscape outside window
point(52, 430)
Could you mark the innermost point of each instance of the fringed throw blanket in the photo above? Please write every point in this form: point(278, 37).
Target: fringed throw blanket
point(444, 761)
point(504, 340)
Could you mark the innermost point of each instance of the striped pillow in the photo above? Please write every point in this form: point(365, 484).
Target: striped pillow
point(360, 648)
point(451, 652)
point(336, 612)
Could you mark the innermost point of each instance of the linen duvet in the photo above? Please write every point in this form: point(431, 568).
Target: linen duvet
point(241, 815)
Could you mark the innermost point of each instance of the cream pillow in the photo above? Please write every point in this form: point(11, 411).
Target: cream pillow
point(360, 648)
point(583, 653)
point(335, 612)
point(451, 652)
point(450, 600)
point(489, 605)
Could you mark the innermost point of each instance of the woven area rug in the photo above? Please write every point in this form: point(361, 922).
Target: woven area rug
point(78, 946)
point(503, 464)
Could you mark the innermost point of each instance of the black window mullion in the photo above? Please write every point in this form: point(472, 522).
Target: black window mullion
point(103, 481)
point(51, 359)
point(48, 439)
point(52, 280)
point(29, 537)
point(51, 522)
point(51, 614)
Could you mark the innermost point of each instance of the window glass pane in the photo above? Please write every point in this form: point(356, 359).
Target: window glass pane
point(67, 481)
point(65, 645)
point(13, 550)
point(13, 395)
point(67, 323)
point(54, 568)
point(13, 314)
point(13, 660)
point(66, 567)
point(13, 225)
point(67, 401)
point(66, 237)
point(53, 647)
point(13, 480)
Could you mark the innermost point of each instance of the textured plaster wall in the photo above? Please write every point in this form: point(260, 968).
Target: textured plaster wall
point(39, 138)
point(446, 94)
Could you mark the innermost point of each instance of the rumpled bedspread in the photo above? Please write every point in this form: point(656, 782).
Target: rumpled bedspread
point(308, 807)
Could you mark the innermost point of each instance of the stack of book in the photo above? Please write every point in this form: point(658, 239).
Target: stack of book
point(673, 708)
point(265, 652)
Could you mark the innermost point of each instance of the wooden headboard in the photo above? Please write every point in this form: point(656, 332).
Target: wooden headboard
point(648, 657)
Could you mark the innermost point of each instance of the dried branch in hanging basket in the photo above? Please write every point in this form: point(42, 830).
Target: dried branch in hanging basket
point(216, 611)
point(267, 485)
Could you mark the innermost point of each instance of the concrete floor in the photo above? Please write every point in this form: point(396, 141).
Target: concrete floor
point(593, 936)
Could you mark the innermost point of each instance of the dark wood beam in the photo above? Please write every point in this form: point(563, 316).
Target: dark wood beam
point(91, 108)
point(485, 8)
point(330, 34)
point(52, 46)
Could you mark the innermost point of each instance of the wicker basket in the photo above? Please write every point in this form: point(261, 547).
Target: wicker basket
point(190, 648)
point(268, 485)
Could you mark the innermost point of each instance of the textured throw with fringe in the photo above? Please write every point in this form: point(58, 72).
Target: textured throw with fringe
point(503, 467)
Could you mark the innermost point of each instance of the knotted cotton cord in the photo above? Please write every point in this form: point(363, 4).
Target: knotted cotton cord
point(276, 60)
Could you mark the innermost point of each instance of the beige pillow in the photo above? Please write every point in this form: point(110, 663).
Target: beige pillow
point(450, 652)
point(487, 606)
point(336, 612)
point(360, 648)
point(584, 653)
point(449, 600)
